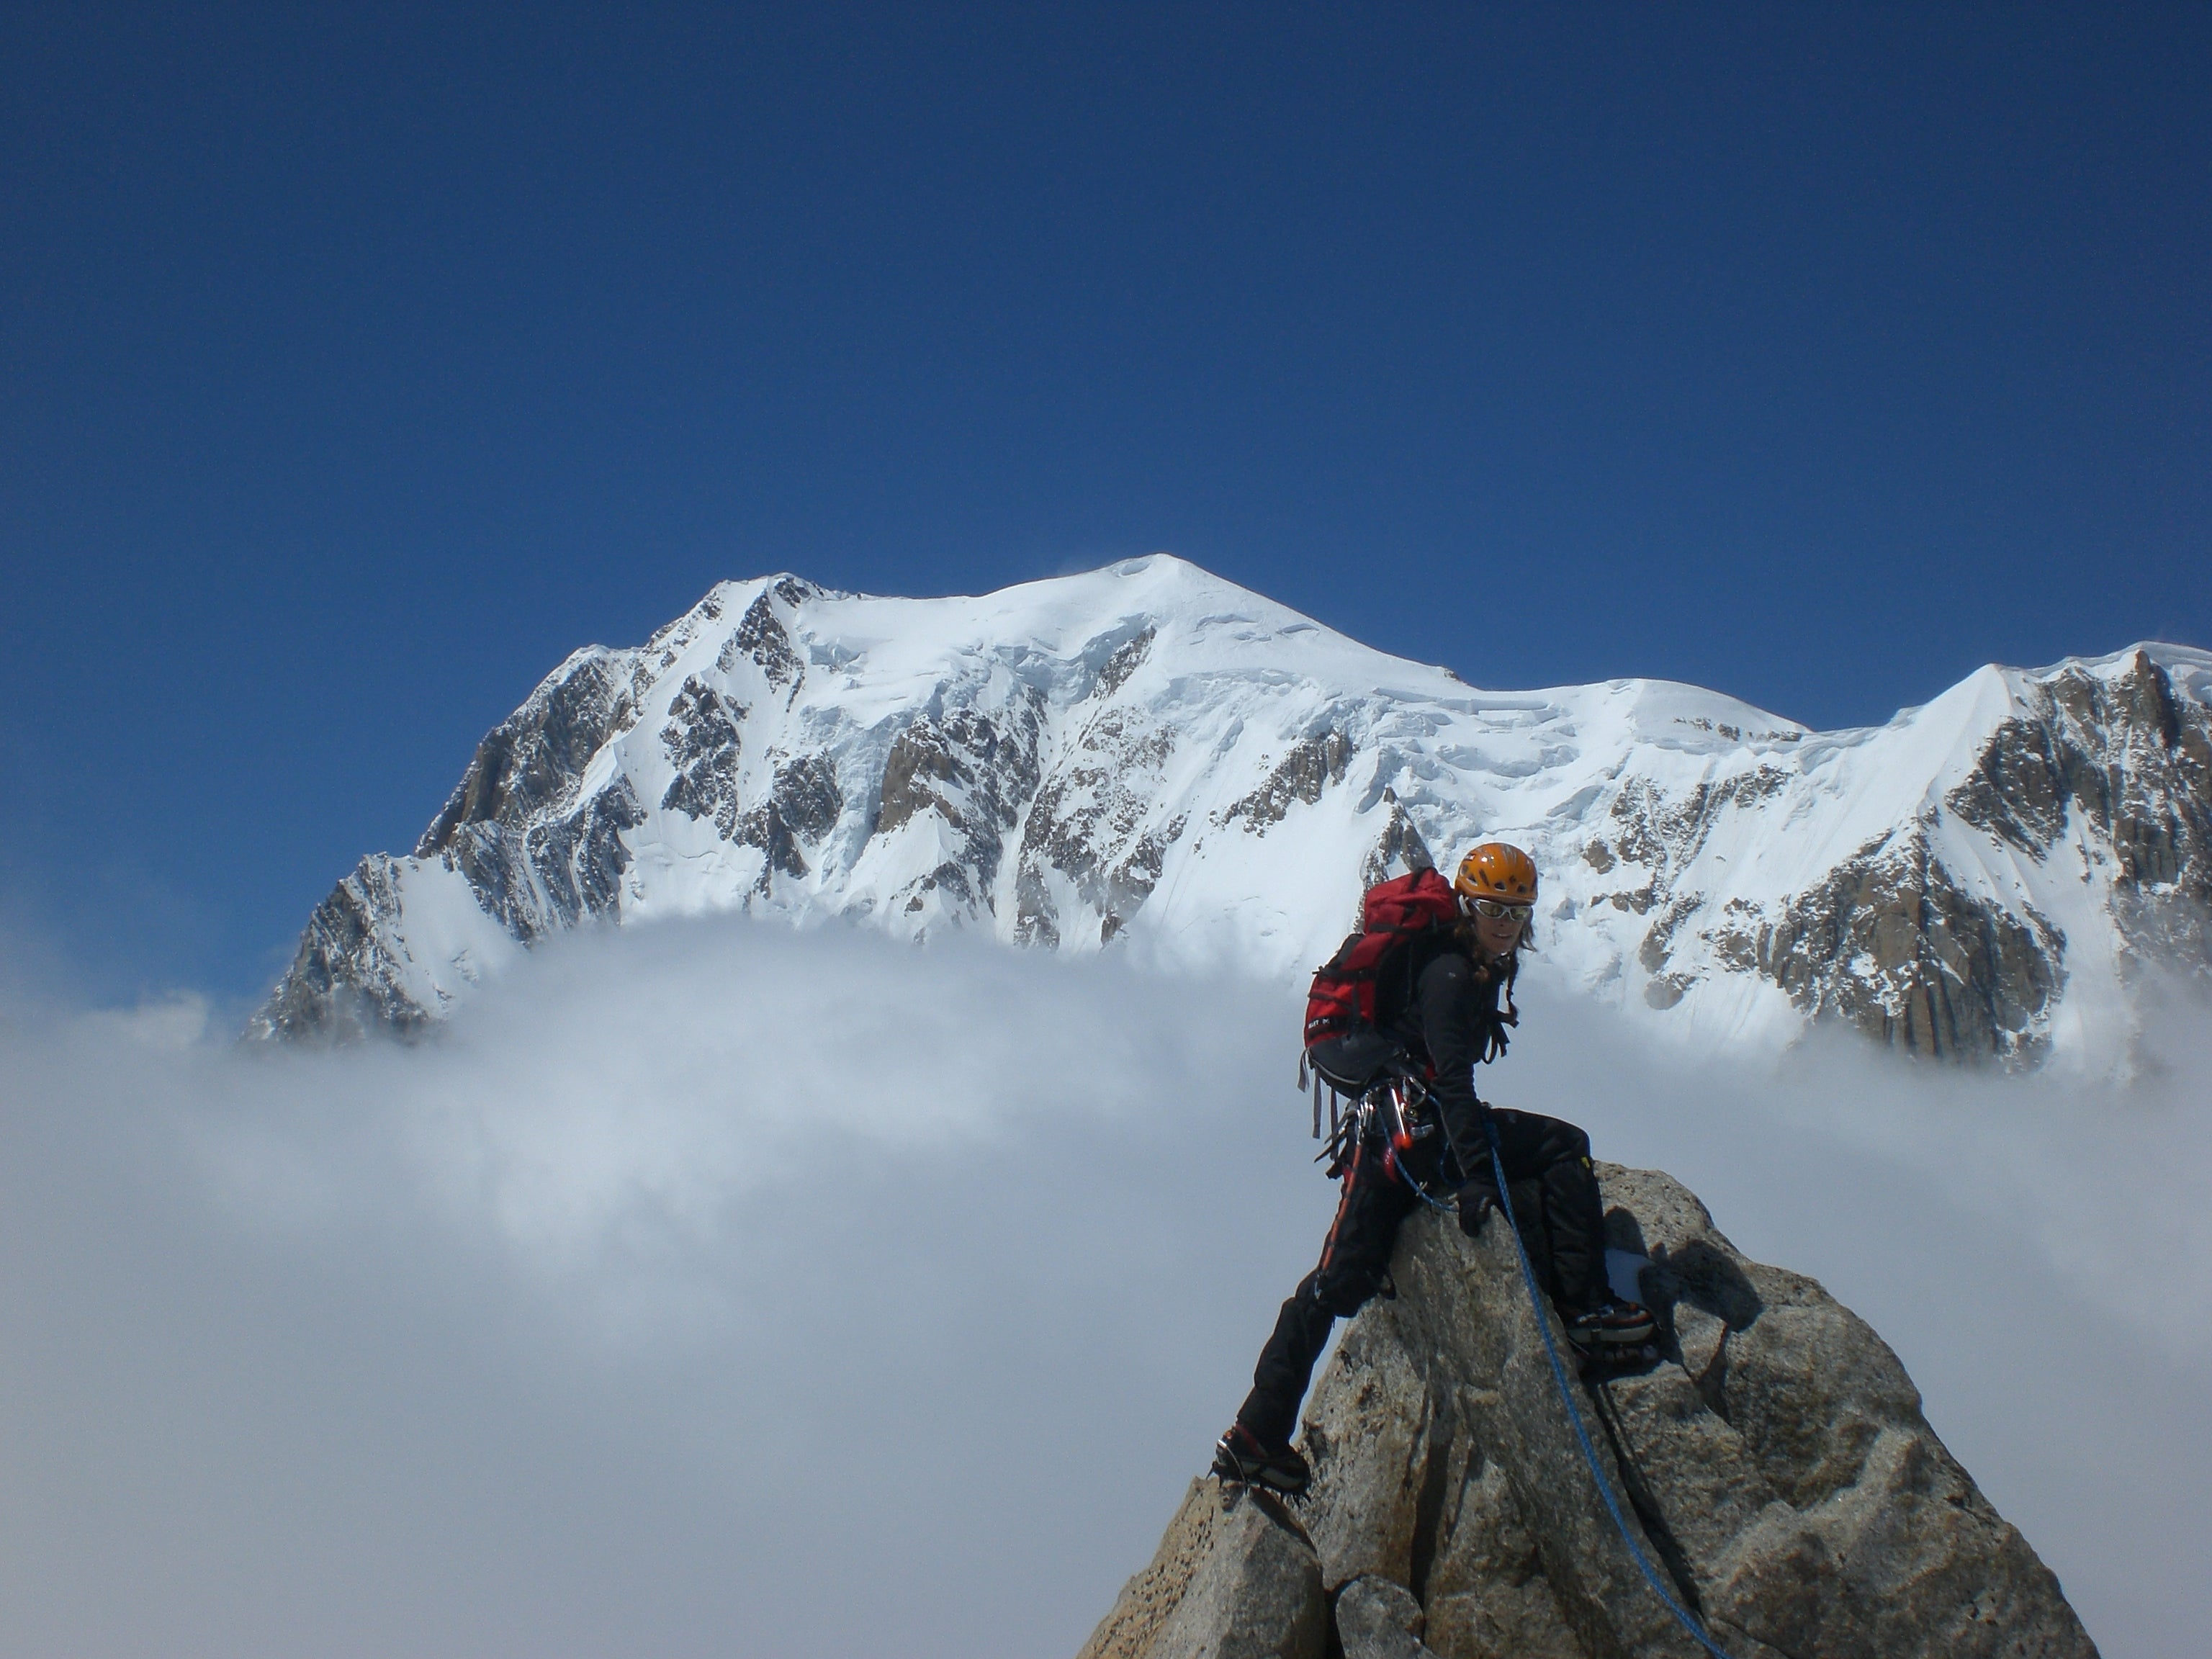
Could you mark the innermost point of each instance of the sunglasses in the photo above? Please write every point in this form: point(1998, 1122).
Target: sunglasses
point(1496, 910)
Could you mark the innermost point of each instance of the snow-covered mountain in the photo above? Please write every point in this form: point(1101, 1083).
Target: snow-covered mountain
point(1148, 758)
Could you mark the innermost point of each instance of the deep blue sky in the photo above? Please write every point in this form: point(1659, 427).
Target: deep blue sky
point(353, 370)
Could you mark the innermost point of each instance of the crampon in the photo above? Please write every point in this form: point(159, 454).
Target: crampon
point(1240, 1459)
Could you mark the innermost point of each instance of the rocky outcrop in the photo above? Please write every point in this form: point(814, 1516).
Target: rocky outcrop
point(1397, 850)
point(1312, 765)
point(532, 762)
point(1091, 838)
point(1773, 1465)
point(1892, 943)
point(1234, 1578)
point(763, 640)
point(1923, 938)
point(541, 853)
point(2128, 761)
point(345, 981)
point(974, 773)
point(703, 740)
point(802, 806)
point(1378, 1620)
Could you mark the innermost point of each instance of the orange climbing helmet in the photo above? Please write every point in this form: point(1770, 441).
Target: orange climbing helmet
point(1496, 872)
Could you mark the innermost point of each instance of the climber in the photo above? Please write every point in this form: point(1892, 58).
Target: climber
point(1436, 1012)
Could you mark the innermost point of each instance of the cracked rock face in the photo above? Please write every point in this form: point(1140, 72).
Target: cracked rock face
point(1312, 765)
point(1891, 944)
point(1773, 1464)
point(344, 981)
point(1234, 1578)
point(2128, 760)
point(704, 740)
point(1092, 835)
point(1145, 758)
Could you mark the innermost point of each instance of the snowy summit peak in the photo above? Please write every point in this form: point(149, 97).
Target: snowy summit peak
point(1146, 758)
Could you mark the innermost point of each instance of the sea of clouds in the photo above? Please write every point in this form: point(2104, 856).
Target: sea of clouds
point(710, 1288)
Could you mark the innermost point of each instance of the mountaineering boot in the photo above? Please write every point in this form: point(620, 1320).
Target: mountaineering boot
point(1612, 1324)
point(1239, 1456)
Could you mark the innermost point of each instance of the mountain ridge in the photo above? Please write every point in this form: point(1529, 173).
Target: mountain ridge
point(1148, 757)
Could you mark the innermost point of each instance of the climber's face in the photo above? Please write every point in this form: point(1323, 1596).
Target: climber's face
point(1496, 925)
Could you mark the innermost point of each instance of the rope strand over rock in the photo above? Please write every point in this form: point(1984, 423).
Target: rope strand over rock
point(1682, 1614)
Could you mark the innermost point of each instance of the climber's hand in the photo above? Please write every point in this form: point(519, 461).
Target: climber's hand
point(1475, 1204)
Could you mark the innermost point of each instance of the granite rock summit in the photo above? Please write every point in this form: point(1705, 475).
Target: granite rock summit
point(1773, 1464)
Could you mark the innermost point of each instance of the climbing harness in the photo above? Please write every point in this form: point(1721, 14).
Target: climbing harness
point(1389, 1113)
point(1397, 1105)
point(1682, 1615)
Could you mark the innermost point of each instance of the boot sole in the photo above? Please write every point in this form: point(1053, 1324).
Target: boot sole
point(1229, 1468)
point(1627, 1338)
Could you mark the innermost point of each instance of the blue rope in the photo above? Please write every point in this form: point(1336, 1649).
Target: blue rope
point(1575, 1417)
point(1396, 1165)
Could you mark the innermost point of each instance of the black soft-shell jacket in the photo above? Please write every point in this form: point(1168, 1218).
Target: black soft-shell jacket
point(1446, 1005)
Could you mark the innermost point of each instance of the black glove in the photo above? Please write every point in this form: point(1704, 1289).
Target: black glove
point(1476, 1201)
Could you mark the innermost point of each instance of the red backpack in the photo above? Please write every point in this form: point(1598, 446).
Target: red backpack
point(1391, 914)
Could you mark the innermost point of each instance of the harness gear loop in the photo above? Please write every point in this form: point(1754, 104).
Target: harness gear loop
point(1390, 1115)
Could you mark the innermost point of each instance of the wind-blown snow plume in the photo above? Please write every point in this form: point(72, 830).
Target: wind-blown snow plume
point(711, 1285)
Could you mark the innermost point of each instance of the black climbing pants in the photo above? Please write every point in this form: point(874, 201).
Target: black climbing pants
point(1562, 1222)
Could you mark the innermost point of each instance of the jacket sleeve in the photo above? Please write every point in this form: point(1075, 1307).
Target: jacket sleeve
point(1452, 1025)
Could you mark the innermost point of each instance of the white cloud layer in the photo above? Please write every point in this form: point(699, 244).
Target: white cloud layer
point(710, 1288)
